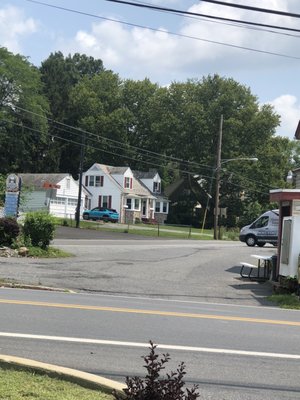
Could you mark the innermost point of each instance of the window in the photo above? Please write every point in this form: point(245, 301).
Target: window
point(58, 200)
point(129, 203)
point(165, 207)
point(136, 204)
point(72, 202)
point(106, 201)
point(92, 181)
point(156, 187)
point(68, 183)
point(260, 223)
point(99, 180)
point(157, 206)
point(128, 183)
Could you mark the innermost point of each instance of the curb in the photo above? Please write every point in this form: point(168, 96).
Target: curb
point(82, 378)
point(12, 285)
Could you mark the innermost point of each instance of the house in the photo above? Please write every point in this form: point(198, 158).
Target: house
point(135, 195)
point(188, 200)
point(57, 193)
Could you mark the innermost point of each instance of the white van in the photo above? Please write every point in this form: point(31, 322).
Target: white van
point(263, 230)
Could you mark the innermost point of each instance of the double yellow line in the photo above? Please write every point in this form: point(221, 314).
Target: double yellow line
point(151, 312)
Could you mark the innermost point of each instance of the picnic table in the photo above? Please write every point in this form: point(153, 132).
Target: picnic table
point(264, 263)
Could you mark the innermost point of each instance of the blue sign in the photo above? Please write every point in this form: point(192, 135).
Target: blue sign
point(11, 204)
point(12, 196)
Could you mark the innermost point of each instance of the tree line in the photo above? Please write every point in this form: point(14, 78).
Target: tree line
point(48, 112)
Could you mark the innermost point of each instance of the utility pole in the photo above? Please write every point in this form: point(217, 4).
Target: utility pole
point(217, 171)
point(82, 148)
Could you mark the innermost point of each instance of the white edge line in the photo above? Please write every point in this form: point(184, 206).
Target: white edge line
point(146, 345)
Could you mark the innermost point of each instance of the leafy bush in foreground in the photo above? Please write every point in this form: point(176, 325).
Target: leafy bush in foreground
point(152, 387)
point(39, 227)
point(9, 231)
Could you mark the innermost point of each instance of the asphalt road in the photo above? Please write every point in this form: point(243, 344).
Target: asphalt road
point(232, 352)
point(185, 294)
point(118, 263)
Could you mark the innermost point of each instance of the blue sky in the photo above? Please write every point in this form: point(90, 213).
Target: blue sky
point(35, 31)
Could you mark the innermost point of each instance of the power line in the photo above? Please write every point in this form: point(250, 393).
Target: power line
point(251, 8)
point(178, 34)
point(124, 146)
point(182, 12)
point(79, 144)
point(254, 28)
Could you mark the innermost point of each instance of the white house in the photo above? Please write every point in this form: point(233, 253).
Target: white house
point(152, 181)
point(132, 194)
point(57, 193)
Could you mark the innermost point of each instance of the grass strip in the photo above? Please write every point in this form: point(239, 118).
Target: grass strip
point(29, 385)
point(49, 252)
point(288, 301)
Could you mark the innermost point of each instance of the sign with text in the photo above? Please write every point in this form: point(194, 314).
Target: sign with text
point(12, 196)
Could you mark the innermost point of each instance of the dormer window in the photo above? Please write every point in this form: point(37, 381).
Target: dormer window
point(128, 183)
point(156, 187)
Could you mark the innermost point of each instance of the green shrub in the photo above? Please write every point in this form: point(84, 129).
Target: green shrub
point(39, 228)
point(9, 231)
point(153, 387)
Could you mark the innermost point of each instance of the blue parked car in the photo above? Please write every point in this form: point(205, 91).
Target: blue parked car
point(101, 213)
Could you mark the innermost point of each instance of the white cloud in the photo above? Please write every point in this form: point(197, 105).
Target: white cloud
point(14, 26)
point(288, 107)
point(139, 52)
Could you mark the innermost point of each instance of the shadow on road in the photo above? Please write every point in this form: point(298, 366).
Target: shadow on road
point(260, 290)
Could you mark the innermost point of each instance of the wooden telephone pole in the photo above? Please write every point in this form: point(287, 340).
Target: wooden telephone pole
point(217, 173)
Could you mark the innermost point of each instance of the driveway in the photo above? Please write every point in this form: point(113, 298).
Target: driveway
point(121, 264)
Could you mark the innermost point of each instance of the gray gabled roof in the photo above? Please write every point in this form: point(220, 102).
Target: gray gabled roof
point(145, 174)
point(116, 170)
point(37, 181)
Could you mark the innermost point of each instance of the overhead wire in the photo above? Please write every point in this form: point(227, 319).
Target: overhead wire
point(124, 146)
point(177, 34)
point(243, 26)
point(79, 143)
point(183, 12)
point(115, 142)
point(187, 172)
point(251, 8)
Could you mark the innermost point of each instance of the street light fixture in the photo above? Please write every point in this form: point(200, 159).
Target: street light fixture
point(216, 171)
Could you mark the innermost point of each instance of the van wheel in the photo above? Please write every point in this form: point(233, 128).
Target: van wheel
point(250, 241)
point(261, 244)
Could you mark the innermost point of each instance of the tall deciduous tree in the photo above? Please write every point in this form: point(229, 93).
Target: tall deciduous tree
point(60, 75)
point(23, 109)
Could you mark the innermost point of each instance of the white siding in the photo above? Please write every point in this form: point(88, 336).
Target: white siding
point(33, 201)
point(60, 202)
point(120, 178)
point(64, 203)
point(109, 188)
point(149, 182)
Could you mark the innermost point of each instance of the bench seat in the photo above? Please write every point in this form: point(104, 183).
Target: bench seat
point(251, 268)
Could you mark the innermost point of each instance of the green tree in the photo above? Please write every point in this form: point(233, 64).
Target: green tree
point(60, 75)
point(23, 108)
